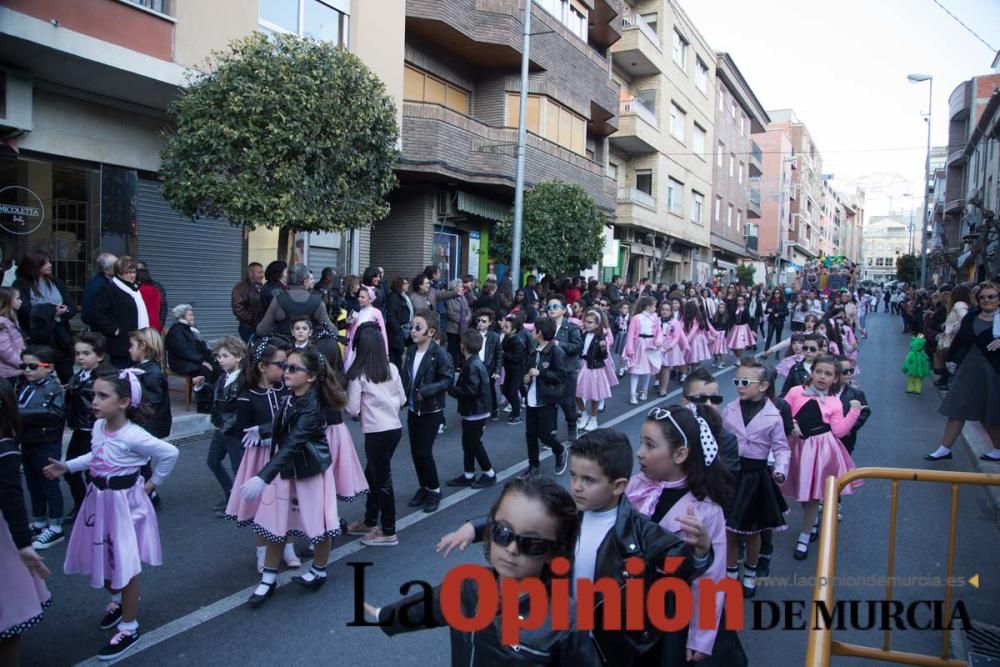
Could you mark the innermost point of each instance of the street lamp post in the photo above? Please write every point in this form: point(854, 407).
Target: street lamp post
point(917, 78)
point(522, 127)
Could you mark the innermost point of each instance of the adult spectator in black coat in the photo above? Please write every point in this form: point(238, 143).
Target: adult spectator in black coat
point(245, 300)
point(187, 352)
point(298, 301)
point(490, 298)
point(274, 282)
point(119, 310)
point(46, 309)
point(105, 272)
point(398, 314)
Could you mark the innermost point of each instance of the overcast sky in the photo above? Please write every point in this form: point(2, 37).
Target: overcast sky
point(842, 67)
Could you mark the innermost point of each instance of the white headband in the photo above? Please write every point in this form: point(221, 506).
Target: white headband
point(709, 446)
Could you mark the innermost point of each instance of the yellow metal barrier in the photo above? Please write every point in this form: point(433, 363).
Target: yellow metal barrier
point(821, 645)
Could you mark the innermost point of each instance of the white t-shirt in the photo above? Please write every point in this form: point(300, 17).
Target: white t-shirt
point(532, 391)
point(593, 529)
point(587, 340)
point(418, 356)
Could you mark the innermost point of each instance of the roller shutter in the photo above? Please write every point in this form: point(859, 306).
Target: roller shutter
point(196, 262)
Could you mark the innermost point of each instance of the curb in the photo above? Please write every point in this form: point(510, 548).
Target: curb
point(183, 427)
point(978, 440)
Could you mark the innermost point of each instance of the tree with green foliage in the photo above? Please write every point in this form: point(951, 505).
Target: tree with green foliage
point(745, 274)
point(282, 131)
point(908, 268)
point(562, 230)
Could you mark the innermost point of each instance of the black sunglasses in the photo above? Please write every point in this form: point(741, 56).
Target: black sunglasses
point(280, 364)
point(714, 399)
point(33, 366)
point(848, 371)
point(534, 547)
point(295, 368)
point(810, 349)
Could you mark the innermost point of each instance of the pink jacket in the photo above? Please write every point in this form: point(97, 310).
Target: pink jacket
point(634, 326)
point(830, 406)
point(11, 346)
point(378, 403)
point(643, 493)
point(765, 433)
point(696, 331)
point(673, 335)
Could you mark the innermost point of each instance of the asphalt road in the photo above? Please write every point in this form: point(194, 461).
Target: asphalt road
point(193, 609)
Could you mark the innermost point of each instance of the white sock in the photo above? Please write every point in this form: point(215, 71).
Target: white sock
point(39, 523)
point(55, 525)
point(289, 553)
point(260, 554)
point(267, 578)
point(804, 539)
point(130, 627)
point(315, 572)
point(633, 381)
point(437, 490)
point(940, 451)
point(490, 473)
point(601, 405)
point(469, 475)
point(116, 598)
point(993, 454)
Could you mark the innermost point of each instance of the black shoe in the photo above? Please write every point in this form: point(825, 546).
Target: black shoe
point(431, 501)
point(484, 481)
point(532, 471)
point(418, 498)
point(495, 417)
point(561, 460)
point(312, 585)
point(119, 644)
point(112, 617)
point(515, 420)
point(154, 497)
point(801, 553)
point(461, 480)
point(988, 458)
point(748, 592)
point(764, 565)
point(943, 457)
point(257, 600)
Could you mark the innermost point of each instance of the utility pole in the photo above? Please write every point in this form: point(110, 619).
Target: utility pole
point(522, 135)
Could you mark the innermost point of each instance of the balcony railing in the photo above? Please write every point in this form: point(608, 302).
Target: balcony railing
point(755, 151)
point(634, 106)
point(159, 6)
point(755, 196)
point(636, 196)
point(632, 22)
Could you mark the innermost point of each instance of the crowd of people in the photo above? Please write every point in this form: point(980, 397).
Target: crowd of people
point(713, 485)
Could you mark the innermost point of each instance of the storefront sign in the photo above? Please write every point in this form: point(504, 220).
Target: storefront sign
point(20, 218)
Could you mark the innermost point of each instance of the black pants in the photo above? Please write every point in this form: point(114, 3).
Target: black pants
point(473, 451)
point(218, 449)
point(493, 397)
point(455, 349)
point(568, 404)
point(541, 423)
point(423, 430)
point(380, 503)
point(776, 329)
point(79, 444)
point(46, 496)
point(513, 380)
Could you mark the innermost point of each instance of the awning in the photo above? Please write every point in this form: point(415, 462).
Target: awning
point(722, 264)
point(483, 207)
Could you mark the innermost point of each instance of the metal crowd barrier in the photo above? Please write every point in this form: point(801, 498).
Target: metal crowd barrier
point(821, 645)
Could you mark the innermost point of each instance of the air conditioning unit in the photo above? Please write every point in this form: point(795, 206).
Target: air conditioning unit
point(15, 101)
point(446, 203)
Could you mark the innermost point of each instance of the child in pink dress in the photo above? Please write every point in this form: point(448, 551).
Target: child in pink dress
point(672, 342)
point(719, 325)
point(741, 335)
point(642, 356)
point(696, 332)
point(366, 313)
point(816, 449)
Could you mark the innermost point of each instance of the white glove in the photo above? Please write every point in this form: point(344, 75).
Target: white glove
point(952, 367)
point(251, 436)
point(252, 488)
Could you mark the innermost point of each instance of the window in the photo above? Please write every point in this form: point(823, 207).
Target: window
point(739, 220)
point(722, 100)
point(647, 98)
point(675, 196)
point(701, 75)
point(325, 20)
point(718, 210)
point(650, 20)
point(613, 171)
point(729, 215)
point(680, 50)
point(732, 165)
point(422, 87)
point(739, 174)
point(718, 156)
point(732, 108)
point(698, 141)
point(743, 123)
point(644, 181)
point(570, 13)
point(697, 206)
point(551, 120)
point(677, 122)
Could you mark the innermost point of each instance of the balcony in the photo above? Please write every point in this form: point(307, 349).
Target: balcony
point(636, 196)
point(756, 160)
point(753, 203)
point(637, 129)
point(638, 52)
point(960, 101)
point(441, 144)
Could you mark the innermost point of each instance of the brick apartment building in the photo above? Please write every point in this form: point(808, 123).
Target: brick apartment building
point(460, 116)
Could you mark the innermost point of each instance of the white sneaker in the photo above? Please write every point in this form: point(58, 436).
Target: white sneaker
point(591, 424)
point(642, 396)
point(581, 421)
point(633, 400)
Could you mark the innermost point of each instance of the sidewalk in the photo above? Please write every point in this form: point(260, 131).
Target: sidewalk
point(978, 440)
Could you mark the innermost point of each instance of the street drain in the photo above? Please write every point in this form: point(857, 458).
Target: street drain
point(983, 641)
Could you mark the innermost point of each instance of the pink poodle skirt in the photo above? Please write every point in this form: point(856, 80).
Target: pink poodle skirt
point(812, 461)
point(304, 508)
point(24, 594)
point(254, 460)
point(609, 370)
point(114, 533)
point(698, 349)
point(673, 356)
point(348, 475)
point(719, 344)
point(741, 337)
point(592, 384)
point(645, 359)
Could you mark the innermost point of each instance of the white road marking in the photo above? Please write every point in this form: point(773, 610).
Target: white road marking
point(230, 602)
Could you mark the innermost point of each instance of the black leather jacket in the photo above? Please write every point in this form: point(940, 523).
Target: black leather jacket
point(494, 352)
point(551, 364)
point(224, 402)
point(473, 388)
point(433, 380)
point(597, 352)
point(633, 536)
point(298, 440)
point(797, 375)
point(156, 393)
point(42, 406)
point(79, 402)
point(571, 343)
point(542, 646)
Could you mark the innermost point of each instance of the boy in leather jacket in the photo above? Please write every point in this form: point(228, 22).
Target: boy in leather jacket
point(473, 393)
point(545, 379)
point(42, 407)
